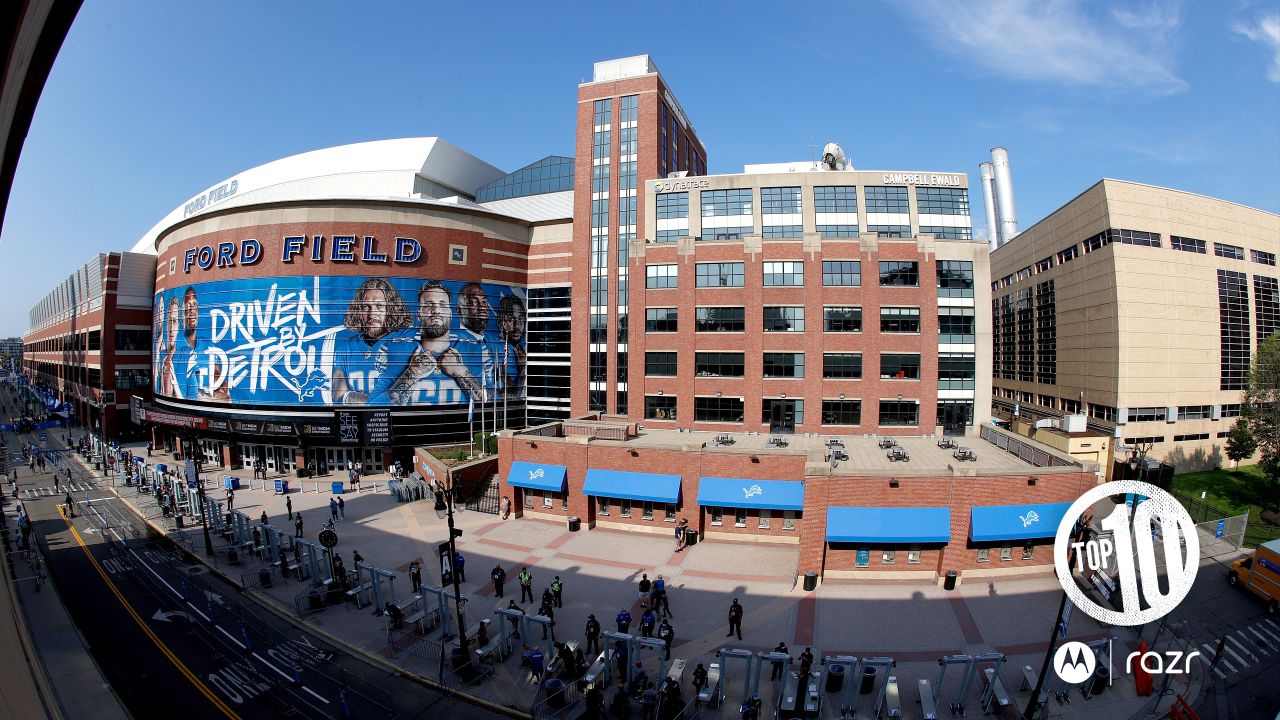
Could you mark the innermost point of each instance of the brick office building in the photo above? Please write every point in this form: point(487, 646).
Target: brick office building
point(89, 342)
point(867, 516)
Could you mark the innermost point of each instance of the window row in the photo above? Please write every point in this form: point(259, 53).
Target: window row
point(895, 413)
point(955, 325)
point(956, 371)
point(954, 277)
point(827, 199)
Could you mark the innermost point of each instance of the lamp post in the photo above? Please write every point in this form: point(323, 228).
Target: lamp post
point(100, 458)
point(204, 513)
point(1138, 460)
point(444, 509)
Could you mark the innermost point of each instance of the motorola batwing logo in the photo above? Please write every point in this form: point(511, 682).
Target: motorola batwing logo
point(1074, 662)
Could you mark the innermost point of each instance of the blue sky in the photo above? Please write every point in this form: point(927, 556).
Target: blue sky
point(150, 103)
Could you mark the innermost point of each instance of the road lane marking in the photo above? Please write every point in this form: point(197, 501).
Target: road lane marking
point(1244, 649)
point(164, 649)
point(1209, 664)
point(232, 637)
point(153, 572)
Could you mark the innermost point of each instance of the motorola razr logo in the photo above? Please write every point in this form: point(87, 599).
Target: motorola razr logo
point(1123, 557)
point(1074, 662)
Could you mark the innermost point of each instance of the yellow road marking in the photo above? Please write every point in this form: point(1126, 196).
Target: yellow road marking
point(199, 684)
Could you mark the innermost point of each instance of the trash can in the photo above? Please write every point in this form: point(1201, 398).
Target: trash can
point(690, 536)
point(553, 690)
point(1101, 676)
point(264, 577)
point(950, 582)
point(178, 520)
point(835, 678)
point(575, 523)
point(336, 487)
point(233, 557)
point(810, 581)
point(868, 681)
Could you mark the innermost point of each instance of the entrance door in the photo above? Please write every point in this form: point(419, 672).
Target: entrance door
point(954, 418)
point(782, 417)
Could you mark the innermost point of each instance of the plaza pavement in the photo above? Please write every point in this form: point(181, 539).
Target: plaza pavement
point(912, 622)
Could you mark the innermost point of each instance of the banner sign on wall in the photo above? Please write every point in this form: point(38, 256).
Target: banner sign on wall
point(350, 426)
point(340, 340)
point(175, 419)
point(377, 428)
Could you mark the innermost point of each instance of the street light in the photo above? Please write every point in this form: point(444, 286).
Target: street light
point(204, 513)
point(1138, 459)
point(444, 509)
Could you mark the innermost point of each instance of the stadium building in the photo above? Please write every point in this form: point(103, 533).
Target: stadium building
point(1142, 308)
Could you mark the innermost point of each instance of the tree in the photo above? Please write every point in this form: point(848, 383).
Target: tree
point(1261, 407)
point(1240, 442)
point(1262, 413)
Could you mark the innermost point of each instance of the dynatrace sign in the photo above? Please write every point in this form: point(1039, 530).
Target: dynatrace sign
point(317, 341)
point(314, 248)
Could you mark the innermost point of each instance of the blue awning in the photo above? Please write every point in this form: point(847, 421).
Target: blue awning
point(889, 525)
point(738, 493)
point(537, 476)
point(648, 487)
point(1015, 522)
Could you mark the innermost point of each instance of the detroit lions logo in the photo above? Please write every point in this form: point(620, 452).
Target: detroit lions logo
point(750, 492)
point(315, 382)
point(1029, 518)
point(534, 474)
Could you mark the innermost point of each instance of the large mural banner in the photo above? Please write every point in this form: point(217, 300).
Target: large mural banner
point(340, 341)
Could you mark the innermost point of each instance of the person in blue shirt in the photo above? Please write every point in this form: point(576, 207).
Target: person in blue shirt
point(193, 379)
point(376, 318)
point(427, 369)
point(624, 621)
point(479, 346)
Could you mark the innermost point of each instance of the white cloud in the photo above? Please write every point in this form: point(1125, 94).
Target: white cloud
point(1129, 49)
point(1266, 32)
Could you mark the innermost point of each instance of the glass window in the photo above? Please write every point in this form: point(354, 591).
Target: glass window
point(660, 364)
point(670, 236)
point(660, 319)
point(899, 273)
point(783, 365)
point(668, 512)
point(836, 199)
point(779, 201)
point(899, 413)
point(863, 557)
point(717, 516)
point(784, 274)
point(841, 412)
point(899, 320)
point(765, 519)
point(548, 500)
point(726, 233)
point(717, 409)
point(956, 325)
point(794, 408)
point(888, 557)
point(1068, 254)
point(913, 556)
point(602, 505)
point(728, 274)
point(660, 407)
point(719, 203)
point(672, 206)
point(890, 231)
point(625, 507)
point(956, 371)
point(1186, 244)
point(841, 273)
point(955, 278)
point(550, 174)
point(784, 319)
point(955, 412)
point(841, 319)
point(1006, 553)
point(984, 555)
point(887, 199)
point(718, 364)
point(740, 517)
point(646, 511)
point(788, 519)
point(1233, 316)
point(1264, 258)
point(942, 201)
point(783, 231)
point(1028, 551)
point(1148, 414)
point(899, 366)
point(720, 319)
point(529, 496)
point(838, 231)
point(945, 232)
point(1233, 252)
point(1266, 300)
point(660, 276)
point(842, 366)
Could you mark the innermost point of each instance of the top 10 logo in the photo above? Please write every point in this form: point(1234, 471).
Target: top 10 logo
point(1125, 553)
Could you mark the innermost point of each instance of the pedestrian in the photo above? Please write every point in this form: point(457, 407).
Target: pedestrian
point(593, 636)
point(499, 577)
point(667, 635)
point(699, 679)
point(415, 576)
point(526, 585)
point(333, 510)
point(342, 508)
point(594, 698)
point(806, 664)
point(778, 665)
point(639, 678)
point(515, 622)
point(680, 533)
point(664, 601)
point(646, 587)
point(71, 508)
point(231, 499)
point(550, 614)
point(557, 588)
point(263, 519)
point(620, 708)
point(288, 507)
point(735, 619)
point(649, 702)
point(297, 524)
point(459, 566)
point(356, 559)
point(506, 507)
point(647, 621)
point(624, 621)
point(56, 486)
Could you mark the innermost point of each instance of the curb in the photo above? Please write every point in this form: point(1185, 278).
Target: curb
point(365, 655)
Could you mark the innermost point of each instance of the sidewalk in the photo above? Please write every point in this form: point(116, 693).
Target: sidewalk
point(915, 624)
